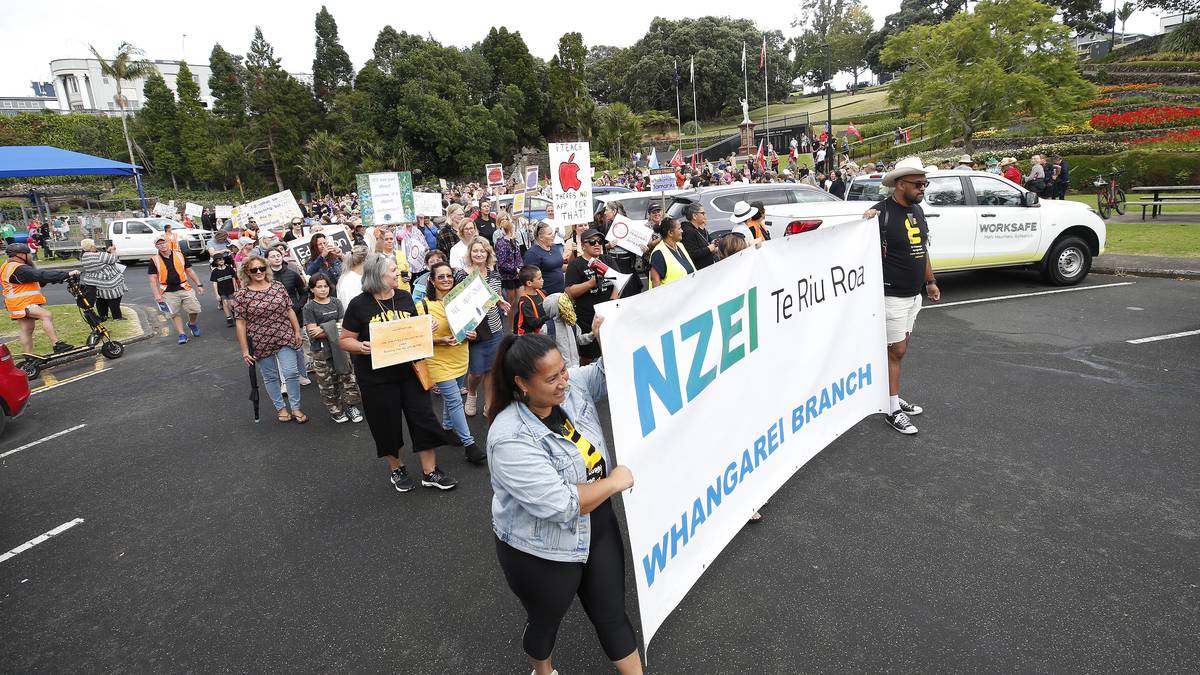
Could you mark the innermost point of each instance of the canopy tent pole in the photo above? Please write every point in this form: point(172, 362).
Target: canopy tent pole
point(137, 177)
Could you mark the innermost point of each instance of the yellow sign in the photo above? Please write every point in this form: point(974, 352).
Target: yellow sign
point(400, 341)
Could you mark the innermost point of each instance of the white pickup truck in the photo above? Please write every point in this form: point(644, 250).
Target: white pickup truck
point(976, 220)
point(134, 237)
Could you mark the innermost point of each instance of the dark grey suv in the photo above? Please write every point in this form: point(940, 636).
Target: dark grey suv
point(718, 200)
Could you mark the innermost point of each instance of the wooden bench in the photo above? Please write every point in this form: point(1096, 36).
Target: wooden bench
point(1156, 204)
point(64, 248)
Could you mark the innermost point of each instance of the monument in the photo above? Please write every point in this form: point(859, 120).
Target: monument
point(746, 147)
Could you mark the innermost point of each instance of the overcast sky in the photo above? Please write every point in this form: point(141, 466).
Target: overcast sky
point(38, 32)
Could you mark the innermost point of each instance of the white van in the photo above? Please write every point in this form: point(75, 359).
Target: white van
point(134, 237)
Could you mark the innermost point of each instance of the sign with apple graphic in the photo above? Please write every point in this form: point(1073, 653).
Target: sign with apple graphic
point(571, 183)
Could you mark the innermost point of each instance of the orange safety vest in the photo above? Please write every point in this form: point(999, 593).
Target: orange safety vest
point(519, 319)
point(177, 259)
point(18, 296)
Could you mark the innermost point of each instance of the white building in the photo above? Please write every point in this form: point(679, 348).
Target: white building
point(1170, 22)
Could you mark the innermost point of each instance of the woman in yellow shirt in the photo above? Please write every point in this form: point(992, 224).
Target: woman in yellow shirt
point(386, 244)
point(449, 360)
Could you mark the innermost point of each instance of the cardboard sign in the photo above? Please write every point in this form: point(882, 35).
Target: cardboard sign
point(629, 235)
point(270, 212)
point(494, 173)
point(531, 178)
point(223, 211)
point(467, 304)
point(518, 203)
point(571, 182)
point(400, 341)
point(427, 203)
point(386, 198)
point(193, 210)
point(337, 234)
point(662, 180)
point(164, 210)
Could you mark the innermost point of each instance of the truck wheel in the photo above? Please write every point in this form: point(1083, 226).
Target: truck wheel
point(1068, 262)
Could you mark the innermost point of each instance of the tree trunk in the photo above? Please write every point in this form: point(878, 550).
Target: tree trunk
point(968, 140)
point(174, 184)
point(274, 162)
point(125, 123)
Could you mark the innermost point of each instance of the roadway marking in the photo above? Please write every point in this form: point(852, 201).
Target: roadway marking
point(69, 380)
point(1168, 336)
point(51, 437)
point(40, 539)
point(934, 305)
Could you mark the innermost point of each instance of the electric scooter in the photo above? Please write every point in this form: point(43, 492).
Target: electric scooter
point(99, 338)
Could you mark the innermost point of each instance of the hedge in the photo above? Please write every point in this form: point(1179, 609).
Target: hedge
point(1140, 167)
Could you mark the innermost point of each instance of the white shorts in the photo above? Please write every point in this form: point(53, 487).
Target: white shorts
point(901, 315)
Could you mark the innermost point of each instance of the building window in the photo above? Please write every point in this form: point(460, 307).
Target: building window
point(105, 79)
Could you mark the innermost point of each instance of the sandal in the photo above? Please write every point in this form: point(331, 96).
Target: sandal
point(283, 415)
point(300, 417)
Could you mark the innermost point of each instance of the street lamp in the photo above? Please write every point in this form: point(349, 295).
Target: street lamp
point(828, 90)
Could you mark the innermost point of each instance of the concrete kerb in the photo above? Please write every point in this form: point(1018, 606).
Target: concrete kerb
point(144, 321)
point(1121, 270)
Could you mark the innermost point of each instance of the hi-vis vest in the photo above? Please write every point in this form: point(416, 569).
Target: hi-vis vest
point(18, 296)
point(177, 260)
point(519, 319)
point(675, 269)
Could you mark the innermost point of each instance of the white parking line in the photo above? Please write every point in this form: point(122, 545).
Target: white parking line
point(1168, 336)
point(14, 451)
point(68, 381)
point(40, 538)
point(935, 305)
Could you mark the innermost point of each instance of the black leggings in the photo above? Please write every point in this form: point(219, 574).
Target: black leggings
point(547, 587)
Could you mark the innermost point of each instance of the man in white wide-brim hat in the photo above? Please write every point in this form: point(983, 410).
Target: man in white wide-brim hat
point(904, 235)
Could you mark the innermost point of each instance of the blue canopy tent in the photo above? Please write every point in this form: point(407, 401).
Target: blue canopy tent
point(19, 161)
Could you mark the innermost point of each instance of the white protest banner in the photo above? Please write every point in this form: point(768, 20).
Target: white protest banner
point(662, 180)
point(223, 211)
point(571, 180)
point(385, 198)
point(427, 203)
point(494, 173)
point(629, 235)
point(467, 303)
point(193, 210)
point(335, 233)
point(164, 210)
point(729, 381)
point(275, 211)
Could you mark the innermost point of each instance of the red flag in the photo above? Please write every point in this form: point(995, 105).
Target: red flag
point(677, 158)
point(851, 130)
point(907, 136)
point(760, 158)
point(695, 159)
point(762, 56)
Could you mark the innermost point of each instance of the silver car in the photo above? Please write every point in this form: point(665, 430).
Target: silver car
point(718, 200)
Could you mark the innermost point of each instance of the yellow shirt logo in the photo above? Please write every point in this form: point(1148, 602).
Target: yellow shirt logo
point(914, 233)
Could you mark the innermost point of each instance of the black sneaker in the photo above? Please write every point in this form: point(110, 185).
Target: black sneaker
point(910, 409)
point(229, 321)
point(339, 418)
point(438, 479)
point(60, 347)
point(401, 480)
point(900, 422)
point(450, 439)
point(475, 455)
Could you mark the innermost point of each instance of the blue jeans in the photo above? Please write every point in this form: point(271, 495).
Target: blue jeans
point(290, 361)
point(453, 416)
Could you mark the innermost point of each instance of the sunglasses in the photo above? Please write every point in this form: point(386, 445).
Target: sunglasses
point(593, 242)
point(444, 276)
point(256, 270)
point(919, 184)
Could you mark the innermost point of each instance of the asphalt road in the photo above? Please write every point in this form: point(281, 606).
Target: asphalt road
point(1045, 519)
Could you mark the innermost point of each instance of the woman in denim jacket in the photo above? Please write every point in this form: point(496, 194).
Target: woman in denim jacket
point(557, 535)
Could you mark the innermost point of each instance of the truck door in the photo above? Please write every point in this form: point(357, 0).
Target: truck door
point(1008, 231)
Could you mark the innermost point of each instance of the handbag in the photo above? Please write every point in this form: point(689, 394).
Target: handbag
point(422, 370)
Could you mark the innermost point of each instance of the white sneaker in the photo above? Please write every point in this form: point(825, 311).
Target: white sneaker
point(900, 422)
point(472, 405)
point(304, 381)
point(910, 409)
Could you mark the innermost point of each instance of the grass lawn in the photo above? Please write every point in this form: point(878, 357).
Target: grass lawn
point(844, 105)
point(1089, 198)
point(1150, 238)
point(47, 264)
point(71, 327)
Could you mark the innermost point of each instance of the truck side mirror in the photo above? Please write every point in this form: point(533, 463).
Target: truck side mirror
point(1029, 199)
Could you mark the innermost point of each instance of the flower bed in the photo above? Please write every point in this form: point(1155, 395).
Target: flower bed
point(1147, 118)
point(1137, 86)
point(1186, 139)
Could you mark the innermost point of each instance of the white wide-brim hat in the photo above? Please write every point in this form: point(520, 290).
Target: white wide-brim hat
point(909, 166)
point(742, 211)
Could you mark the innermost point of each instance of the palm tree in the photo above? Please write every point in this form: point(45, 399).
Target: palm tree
point(126, 66)
point(322, 159)
point(1124, 13)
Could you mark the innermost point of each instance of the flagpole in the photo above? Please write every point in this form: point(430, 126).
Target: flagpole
point(766, 90)
point(695, 111)
point(745, 77)
point(678, 111)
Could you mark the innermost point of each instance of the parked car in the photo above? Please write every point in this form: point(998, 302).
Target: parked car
point(976, 220)
point(637, 204)
point(14, 388)
point(718, 200)
point(535, 207)
point(134, 237)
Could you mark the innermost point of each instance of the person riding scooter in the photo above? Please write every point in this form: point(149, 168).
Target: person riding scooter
point(22, 287)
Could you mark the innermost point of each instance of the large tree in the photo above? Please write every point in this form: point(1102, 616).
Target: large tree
point(911, 13)
point(227, 83)
point(980, 69)
point(282, 110)
point(511, 63)
point(129, 64)
point(848, 39)
point(195, 143)
point(331, 69)
point(159, 128)
point(570, 103)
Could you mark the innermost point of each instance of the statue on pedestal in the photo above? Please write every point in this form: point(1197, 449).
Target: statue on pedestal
point(745, 110)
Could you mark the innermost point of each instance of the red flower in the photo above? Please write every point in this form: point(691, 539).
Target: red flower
point(1146, 118)
point(1184, 136)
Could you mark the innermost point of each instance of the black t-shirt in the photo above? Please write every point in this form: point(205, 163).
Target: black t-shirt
point(223, 278)
point(486, 226)
point(578, 272)
point(360, 314)
point(557, 422)
point(904, 235)
point(174, 283)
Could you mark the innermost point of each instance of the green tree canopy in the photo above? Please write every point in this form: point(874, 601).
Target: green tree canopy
point(331, 69)
point(982, 68)
point(911, 13)
point(227, 83)
point(158, 127)
point(195, 142)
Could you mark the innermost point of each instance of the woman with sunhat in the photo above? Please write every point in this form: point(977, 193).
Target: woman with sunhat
point(755, 218)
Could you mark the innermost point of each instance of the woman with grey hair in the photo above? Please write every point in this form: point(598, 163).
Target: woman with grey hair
point(102, 281)
point(392, 393)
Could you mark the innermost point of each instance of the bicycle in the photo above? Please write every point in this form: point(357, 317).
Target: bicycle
point(1109, 197)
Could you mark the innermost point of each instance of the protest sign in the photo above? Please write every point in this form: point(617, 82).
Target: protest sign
point(427, 203)
point(223, 211)
point(467, 303)
point(531, 178)
point(400, 341)
point(442, 184)
point(494, 173)
point(571, 181)
point(336, 234)
point(385, 198)
point(731, 379)
point(274, 211)
point(193, 210)
point(629, 235)
point(662, 180)
point(164, 210)
point(518, 203)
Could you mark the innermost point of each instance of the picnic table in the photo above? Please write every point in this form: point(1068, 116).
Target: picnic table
point(1156, 202)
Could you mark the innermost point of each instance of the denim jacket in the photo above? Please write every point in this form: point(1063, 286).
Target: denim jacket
point(535, 505)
